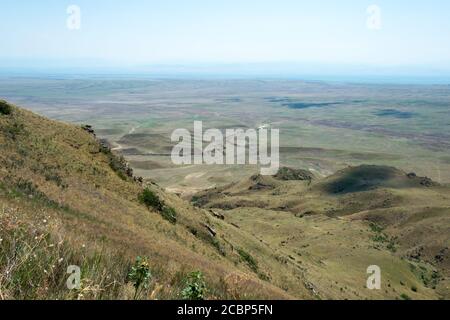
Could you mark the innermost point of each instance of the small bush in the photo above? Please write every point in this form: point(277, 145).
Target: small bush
point(391, 246)
point(376, 228)
point(404, 296)
point(195, 287)
point(216, 244)
point(140, 275)
point(151, 200)
point(117, 163)
point(380, 238)
point(13, 130)
point(169, 214)
point(199, 201)
point(251, 262)
point(5, 108)
point(56, 178)
point(208, 239)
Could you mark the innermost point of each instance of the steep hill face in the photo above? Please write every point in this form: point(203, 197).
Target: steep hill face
point(67, 199)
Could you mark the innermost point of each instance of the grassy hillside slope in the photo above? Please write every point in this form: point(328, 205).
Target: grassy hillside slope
point(66, 200)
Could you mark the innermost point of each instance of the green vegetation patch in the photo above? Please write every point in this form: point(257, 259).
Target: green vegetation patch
point(13, 130)
point(251, 262)
point(140, 275)
point(152, 200)
point(382, 238)
point(289, 174)
point(209, 239)
point(117, 163)
point(5, 108)
point(429, 277)
point(195, 288)
point(376, 228)
point(404, 296)
point(169, 214)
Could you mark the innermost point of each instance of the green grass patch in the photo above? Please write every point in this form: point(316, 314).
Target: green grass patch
point(5, 108)
point(13, 130)
point(117, 163)
point(404, 296)
point(375, 227)
point(152, 200)
point(169, 214)
point(248, 259)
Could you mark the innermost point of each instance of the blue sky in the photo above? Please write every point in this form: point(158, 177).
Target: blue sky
point(145, 32)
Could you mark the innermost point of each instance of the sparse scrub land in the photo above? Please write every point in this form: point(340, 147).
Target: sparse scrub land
point(427, 275)
point(62, 203)
point(382, 238)
point(376, 228)
point(97, 239)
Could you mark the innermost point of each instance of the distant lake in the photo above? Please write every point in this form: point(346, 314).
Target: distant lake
point(395, 113)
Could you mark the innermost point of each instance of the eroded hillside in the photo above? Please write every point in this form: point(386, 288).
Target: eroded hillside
point(334, 228)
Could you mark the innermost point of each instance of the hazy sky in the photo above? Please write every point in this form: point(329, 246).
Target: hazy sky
point(138, 32)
